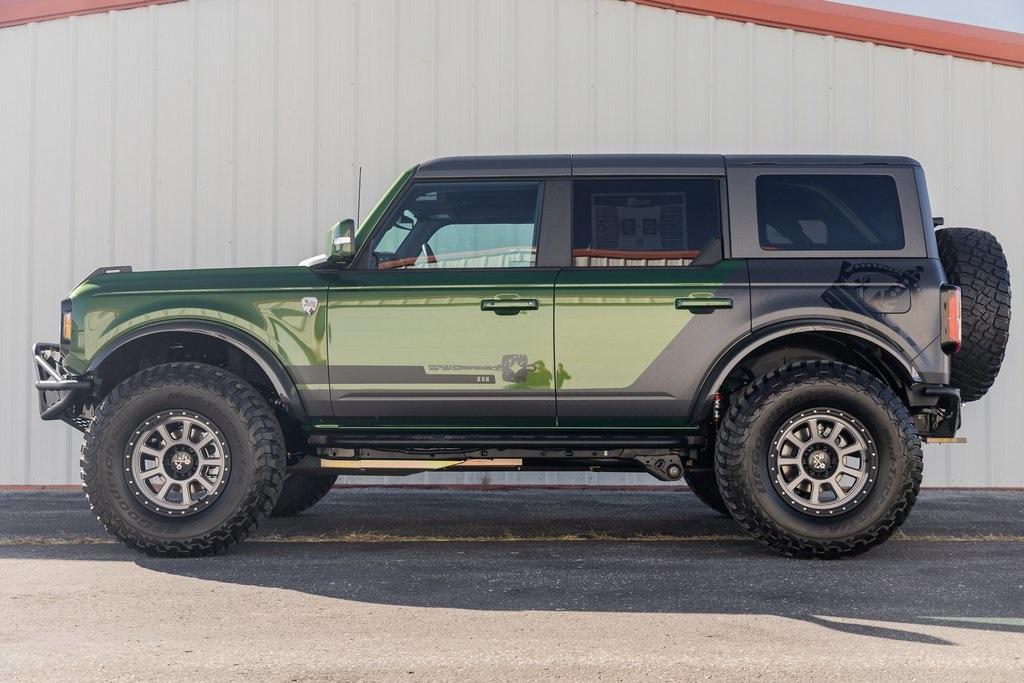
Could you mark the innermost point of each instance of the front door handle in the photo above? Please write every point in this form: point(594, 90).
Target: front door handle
point(509, 306)
point(698, 304)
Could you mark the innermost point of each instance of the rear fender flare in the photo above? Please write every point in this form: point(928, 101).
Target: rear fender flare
point(732, 357)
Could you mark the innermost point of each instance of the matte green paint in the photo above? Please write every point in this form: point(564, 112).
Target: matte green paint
point(265, 303)
point(431, 321)
point(600, 331)
point(612, 323)
point(633, 358)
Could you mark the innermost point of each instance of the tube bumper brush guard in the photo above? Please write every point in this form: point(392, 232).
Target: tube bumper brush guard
point(58, 389)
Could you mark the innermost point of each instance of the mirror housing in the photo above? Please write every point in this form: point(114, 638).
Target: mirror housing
point(340, 246)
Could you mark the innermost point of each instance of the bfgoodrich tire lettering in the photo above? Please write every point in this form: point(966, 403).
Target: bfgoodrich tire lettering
point(301, 491)
point(249, 428)
point(742, 457)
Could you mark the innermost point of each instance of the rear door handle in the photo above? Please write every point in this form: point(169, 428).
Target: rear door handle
point(509, 306)
point(702, 303)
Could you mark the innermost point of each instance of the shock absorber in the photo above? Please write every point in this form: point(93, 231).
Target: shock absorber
point(699, 457)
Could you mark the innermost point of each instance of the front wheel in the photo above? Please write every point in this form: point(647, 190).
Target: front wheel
point(183, 460)
point(819, 459)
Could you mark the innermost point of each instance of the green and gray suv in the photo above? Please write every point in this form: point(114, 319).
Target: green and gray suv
point(781, 332)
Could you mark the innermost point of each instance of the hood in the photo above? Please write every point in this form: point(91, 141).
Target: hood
point(123, 280)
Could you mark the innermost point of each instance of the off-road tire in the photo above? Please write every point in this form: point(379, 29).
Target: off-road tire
point(974, 261)
point(301, 491)
point(741, 460)
point(704, 485)
point(249, 427)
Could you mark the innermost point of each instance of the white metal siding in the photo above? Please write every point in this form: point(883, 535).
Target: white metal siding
point(229, 132)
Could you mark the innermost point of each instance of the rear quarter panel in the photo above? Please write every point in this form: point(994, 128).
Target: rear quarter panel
point(893, 294)
point(896, 299)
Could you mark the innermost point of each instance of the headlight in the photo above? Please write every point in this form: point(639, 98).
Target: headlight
point(65, 322)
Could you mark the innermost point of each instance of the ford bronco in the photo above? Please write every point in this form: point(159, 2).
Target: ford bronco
point(781, 332)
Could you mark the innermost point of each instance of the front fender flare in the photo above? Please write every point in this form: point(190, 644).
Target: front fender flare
point(279, 377)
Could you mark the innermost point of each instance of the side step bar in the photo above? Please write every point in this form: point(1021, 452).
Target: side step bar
point(667, 467)
point(498, 440)
point(412, 465)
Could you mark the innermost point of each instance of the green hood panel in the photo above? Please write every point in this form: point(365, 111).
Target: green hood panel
point(265, 303)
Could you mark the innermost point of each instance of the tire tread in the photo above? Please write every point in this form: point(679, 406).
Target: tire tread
point(732, 453)
point(974, 261)
point(264, 436)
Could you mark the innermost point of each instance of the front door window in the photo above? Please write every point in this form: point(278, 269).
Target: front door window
point(461, 225)
point(446, 322)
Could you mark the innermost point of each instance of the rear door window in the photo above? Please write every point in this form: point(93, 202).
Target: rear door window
point(829, 212)
point(644, 222)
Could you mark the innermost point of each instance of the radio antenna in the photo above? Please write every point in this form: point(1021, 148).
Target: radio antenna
point(359, 197)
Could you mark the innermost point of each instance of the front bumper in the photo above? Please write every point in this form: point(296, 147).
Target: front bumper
point(61, 394)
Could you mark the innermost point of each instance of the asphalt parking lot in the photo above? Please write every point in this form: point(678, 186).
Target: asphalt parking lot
point(508, 584)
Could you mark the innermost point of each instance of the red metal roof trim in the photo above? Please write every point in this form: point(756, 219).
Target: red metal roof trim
point(862, 23)
point(813, 16)
point(14, 12)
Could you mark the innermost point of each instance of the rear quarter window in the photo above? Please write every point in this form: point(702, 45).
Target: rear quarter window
point(829, 213)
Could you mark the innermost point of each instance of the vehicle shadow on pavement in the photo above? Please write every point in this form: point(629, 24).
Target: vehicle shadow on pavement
point(619, 551)
point(617, 576)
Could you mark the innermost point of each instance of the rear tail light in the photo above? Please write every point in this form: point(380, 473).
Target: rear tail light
point(951, 328)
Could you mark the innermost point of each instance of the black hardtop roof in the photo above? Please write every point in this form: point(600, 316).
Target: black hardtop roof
point(510, 165)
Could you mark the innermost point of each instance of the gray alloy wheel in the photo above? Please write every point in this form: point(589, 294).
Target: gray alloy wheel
point(177, 463)
point(823, 461)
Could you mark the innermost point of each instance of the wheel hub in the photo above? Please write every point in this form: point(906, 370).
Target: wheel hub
point(823, 461)
point(181, 462)
point(177, 463)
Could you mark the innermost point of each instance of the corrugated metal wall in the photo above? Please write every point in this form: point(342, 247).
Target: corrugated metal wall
point(229, 132)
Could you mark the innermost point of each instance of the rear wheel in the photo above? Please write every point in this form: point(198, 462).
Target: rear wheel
point(301, 491)
point(819, 459)
point(183, 460)
point(974, 261)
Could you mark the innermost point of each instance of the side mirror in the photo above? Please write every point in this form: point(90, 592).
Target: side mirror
point(341, 242)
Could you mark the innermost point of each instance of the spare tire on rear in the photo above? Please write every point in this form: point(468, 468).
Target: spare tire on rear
point(974, 261)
